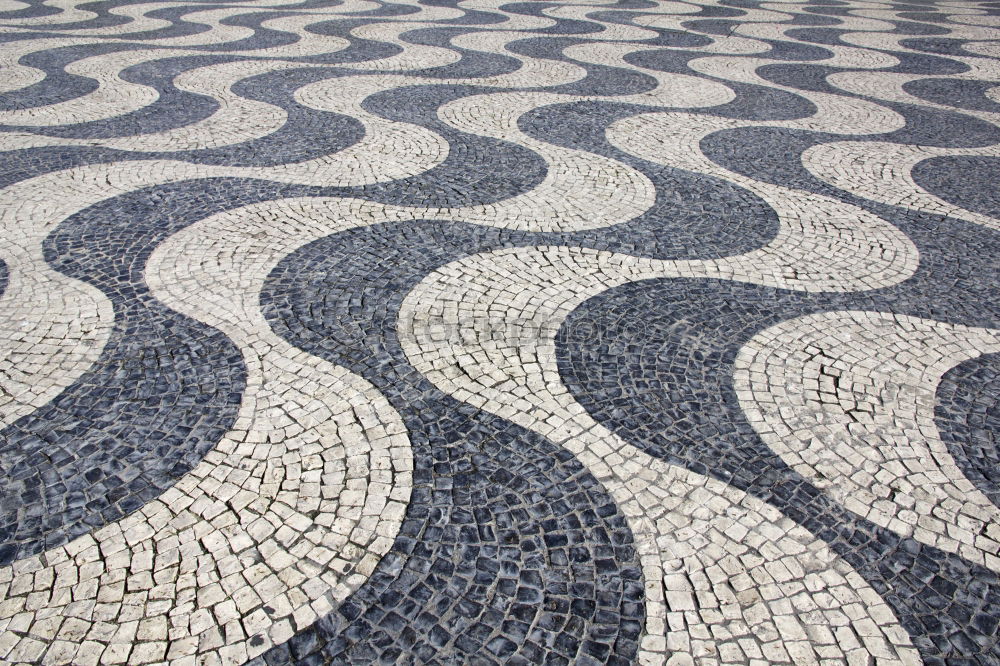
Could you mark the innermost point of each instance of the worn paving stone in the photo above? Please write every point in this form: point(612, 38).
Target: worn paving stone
point(474, 331)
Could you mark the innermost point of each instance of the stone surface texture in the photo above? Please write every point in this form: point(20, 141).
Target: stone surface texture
point(500, 332)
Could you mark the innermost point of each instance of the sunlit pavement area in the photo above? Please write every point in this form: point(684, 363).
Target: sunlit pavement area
point(500, 332)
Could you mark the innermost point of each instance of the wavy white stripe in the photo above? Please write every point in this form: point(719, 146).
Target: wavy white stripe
point(847, 400)
point(16, 75)
point(823, 244)
point(289, 513)
point(482, 330)
point(889, 86)
point(237, 119)
point(866, 251)
point(55, 327)
point(882, 172)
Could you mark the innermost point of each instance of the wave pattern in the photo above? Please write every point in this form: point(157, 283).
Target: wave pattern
point(479, 331)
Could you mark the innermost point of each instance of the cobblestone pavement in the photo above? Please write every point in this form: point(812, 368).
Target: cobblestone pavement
point(500, 331)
